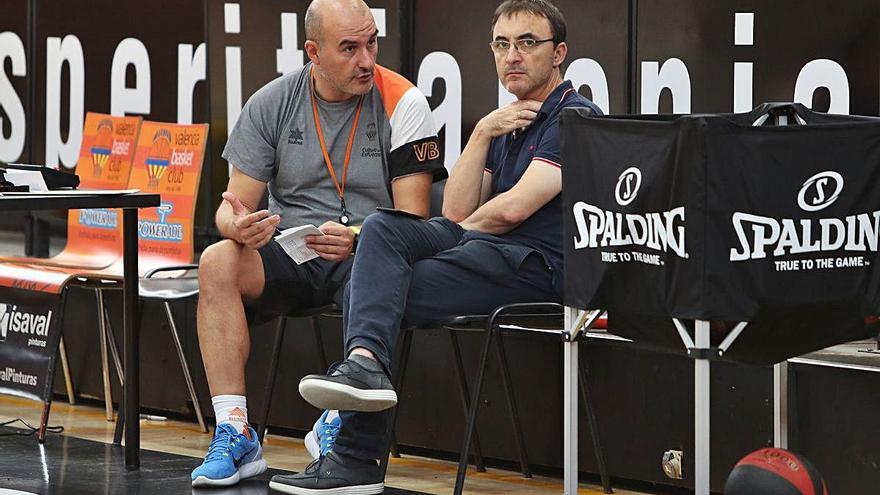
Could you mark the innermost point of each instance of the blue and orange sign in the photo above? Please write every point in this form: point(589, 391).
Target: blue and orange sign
point(168, 161)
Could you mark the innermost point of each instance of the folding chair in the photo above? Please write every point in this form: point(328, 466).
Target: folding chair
point(167, 289)
point(333, 311)
point(399, 375)
point(313, 314)
point(528, 318)
point(165, 233)
point(111, 142)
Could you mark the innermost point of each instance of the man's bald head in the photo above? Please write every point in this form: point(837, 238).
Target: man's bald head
point(342, 44)
point(320, 10)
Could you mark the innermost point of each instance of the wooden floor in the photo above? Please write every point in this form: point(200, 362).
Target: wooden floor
point(408, 472)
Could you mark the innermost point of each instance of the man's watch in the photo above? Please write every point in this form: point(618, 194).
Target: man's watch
point(357, 234)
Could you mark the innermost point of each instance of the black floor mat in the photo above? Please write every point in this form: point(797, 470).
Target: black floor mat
point(74, 466)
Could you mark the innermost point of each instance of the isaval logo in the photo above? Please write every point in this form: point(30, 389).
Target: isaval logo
point(161, 230)
point(628, 186)
point(12, 375)
point(13, 320)
point(760, 236)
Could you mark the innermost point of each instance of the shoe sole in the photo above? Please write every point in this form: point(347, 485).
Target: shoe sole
point(329, 395)
point(249, 470)
point(343, 490)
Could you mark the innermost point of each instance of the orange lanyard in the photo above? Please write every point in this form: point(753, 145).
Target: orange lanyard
point(340, 188)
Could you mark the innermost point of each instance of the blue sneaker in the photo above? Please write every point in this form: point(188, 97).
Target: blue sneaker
point(321, 439)
point(232, 456)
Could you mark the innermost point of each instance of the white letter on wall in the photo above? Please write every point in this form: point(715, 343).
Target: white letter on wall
point(441, 65)
point(586, 71)
point(190, 70)
point(11, 47)
point(823, 73)
point(232, 23)
point(289, 57)
point(123, 100)
point(379, 18)
point(59, 52)
point(743, 35)
point(504, 96)
point(673, 75)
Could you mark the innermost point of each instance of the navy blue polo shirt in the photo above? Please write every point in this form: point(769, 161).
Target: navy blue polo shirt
point(509, 157)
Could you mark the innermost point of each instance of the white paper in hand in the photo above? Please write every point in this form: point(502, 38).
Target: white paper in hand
point(293, 241)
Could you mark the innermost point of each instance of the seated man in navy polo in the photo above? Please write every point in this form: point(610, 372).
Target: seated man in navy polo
point(499, 243)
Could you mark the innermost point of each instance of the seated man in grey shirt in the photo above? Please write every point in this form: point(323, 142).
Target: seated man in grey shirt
point(331, 142)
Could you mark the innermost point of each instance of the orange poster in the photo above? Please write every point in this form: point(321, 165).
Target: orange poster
point(94, 237)
point(168, 161)
point(107, 149)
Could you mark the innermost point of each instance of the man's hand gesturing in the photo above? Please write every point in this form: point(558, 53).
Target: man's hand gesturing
point(254, 230)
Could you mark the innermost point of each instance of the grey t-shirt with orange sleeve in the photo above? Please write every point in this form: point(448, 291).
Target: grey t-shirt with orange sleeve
point(275, 140)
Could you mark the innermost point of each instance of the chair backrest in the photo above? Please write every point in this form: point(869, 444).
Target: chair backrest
point(107, 151)
point(168, 161)
point(94, 236)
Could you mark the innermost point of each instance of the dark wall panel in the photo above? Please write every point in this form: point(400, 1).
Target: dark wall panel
point(834, 410)
point(786, 36)
point(100, 25)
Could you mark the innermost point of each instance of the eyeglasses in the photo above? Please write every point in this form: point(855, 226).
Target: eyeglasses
point(524, 45)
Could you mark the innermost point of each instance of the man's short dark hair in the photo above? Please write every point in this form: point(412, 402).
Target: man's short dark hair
point(541, 8)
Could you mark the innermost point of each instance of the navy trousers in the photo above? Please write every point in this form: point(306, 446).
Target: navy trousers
point(416, 273)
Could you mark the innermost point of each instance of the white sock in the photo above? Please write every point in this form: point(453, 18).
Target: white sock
point(331, 415)
point(231, 409)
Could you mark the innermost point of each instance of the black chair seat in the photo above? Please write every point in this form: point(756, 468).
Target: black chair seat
point(551, 319)
point(326, 310)
point(168, 288)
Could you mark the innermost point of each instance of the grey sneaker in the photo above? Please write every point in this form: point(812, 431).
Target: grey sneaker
point(358, 384)
point(333, 474)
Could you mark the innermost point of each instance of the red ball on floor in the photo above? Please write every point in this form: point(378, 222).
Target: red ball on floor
point(774, 472)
